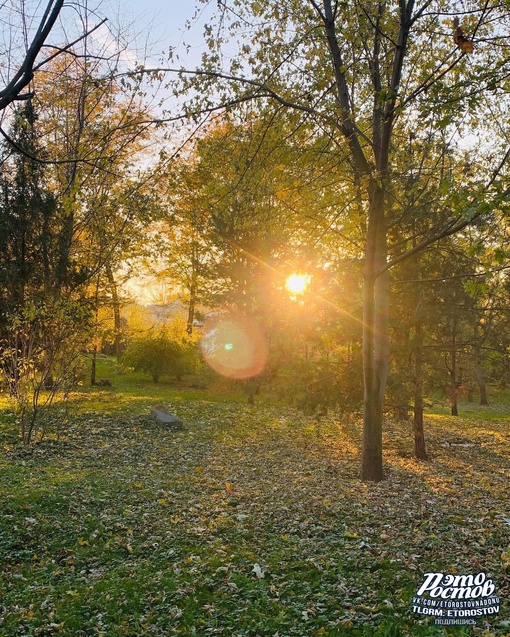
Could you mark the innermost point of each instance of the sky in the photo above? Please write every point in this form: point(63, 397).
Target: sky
point(164, 21)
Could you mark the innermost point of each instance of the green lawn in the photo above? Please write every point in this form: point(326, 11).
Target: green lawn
point(498, 407)
point(250, 522)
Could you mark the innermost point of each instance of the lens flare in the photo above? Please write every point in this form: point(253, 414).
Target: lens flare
point(234, 346)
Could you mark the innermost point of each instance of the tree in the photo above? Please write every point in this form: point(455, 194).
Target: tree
point(233, 240)
point(355, 73)
point(102, 198)
point(24, 62)
point(64, 222)
point(28, 223)
point(231, 231)
point(81, 212)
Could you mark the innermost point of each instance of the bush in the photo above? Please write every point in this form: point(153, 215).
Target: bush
point(40, 358)
point(159, 355)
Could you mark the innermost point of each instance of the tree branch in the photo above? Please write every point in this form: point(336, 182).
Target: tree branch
point(67, 47)
point(452, 227)
point(349, 129)
point(25, 73)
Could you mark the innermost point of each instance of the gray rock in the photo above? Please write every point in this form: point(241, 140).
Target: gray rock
point(104, 383)
point(162, 417)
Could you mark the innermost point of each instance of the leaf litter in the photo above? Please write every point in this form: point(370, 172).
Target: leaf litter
point(248, 522)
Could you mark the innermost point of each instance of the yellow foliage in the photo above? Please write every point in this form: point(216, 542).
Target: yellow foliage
point(138, 318)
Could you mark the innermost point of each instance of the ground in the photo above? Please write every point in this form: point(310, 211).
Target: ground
point(250, 522)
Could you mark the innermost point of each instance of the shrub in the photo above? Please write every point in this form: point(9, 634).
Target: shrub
point(158, 354)
point(40, 358)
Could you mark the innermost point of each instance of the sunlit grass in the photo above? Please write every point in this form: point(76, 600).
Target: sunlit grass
point(498, 407)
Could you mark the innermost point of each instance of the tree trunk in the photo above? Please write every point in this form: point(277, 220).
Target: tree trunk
point(453, 371)
point(192, 292)
point(376, 275)
point(479, 369)
point(117, 323)
point(419, 435)
point(375, 341)
point(96, 325)
point(481, 383)
point(65, 244)
point(93, 367)
point(251, 387)
point(191, 311)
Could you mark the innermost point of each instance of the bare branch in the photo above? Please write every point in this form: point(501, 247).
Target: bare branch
point(68, 47)
point(25, 73)
point(39, 160)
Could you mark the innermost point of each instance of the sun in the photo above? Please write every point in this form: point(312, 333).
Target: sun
point(297, 283)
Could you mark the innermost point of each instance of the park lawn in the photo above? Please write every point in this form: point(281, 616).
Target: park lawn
point(251, 521)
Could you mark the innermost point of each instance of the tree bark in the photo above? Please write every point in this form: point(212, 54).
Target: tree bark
point(453, 370)
point(375, 340)
point(96, 325)
point(419, 435)
point(479, 368)
point(93, 367)
point(192, 291)
point(117, 323)
point(191, 313)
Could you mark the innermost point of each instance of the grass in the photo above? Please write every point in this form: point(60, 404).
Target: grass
point(498, 407)
point(250, 522)
point(135, 391)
